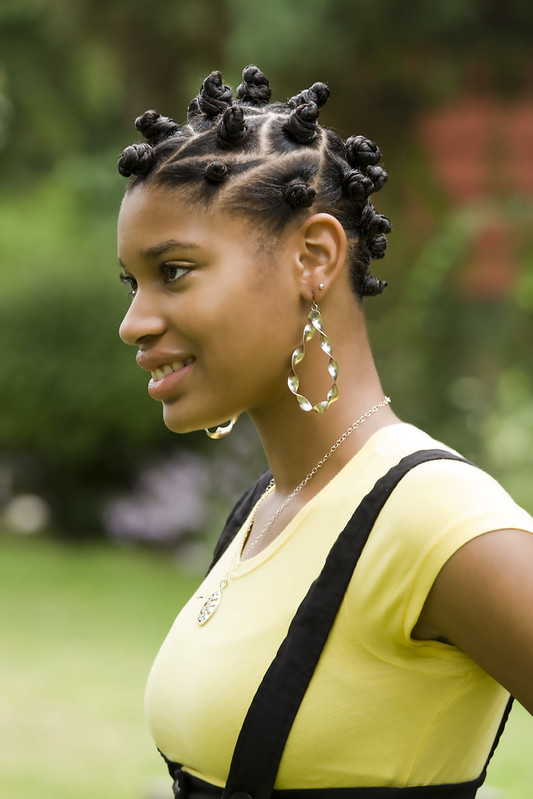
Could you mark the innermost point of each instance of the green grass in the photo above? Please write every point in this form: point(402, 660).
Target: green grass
point(79, 628)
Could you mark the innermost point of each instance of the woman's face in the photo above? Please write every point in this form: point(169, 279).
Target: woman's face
point(214, 315)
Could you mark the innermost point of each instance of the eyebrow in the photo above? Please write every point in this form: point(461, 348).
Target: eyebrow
point(164, 246)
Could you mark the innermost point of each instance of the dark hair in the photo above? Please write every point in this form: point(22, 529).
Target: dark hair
point(268, 161)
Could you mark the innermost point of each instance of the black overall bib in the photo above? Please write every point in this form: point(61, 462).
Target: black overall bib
point(269, 719)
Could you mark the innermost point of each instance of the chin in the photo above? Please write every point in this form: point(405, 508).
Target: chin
point(177, 425)
point(180, 423)
point(179, 429)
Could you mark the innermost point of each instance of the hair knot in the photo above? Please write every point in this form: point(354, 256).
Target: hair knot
point(255, 88)
point(137, 159)
point(216, 172)
point(377, 246)
point(362, 152)
point(373, 223)
point(371, 285)
point(232, 128)
point(302, 123)
point(299, 194)
point(155, 127)
point(356, 186)
point(378, 176)
point(318, 93)
point(214, 96)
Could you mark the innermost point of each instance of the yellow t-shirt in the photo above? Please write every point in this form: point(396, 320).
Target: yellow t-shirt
point(382, 709)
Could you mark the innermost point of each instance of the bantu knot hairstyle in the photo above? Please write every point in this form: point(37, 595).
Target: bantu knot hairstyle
point(255, 89)
point(214, 97)
point(155, 127)
point(302, 125)
point(232, 127)
point(270, 162)
point(318, 93)
point(138, 159)
point(216, 171)
point(299, 194)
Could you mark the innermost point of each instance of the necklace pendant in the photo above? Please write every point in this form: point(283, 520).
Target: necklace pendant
point(209, 607)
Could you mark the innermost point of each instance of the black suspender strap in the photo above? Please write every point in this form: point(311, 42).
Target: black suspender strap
point(238, 515)
point(499, 733)
point(269, 719)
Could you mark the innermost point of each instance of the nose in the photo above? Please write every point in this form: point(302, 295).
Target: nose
point(142, 321)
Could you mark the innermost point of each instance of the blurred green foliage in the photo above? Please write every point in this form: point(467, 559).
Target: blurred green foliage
point(461, 364)
point(76, 422)
point(75, 412)
point(76, 73)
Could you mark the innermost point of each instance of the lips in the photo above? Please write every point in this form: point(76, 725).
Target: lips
point(167, 379)
point(166, 369)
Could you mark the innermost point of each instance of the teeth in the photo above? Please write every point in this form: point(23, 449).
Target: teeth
point(168, 368)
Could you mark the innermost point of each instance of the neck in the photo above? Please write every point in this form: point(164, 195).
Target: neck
point(294, 441)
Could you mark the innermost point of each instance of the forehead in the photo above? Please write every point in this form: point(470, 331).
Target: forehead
point(151, 216)
point(148, 206)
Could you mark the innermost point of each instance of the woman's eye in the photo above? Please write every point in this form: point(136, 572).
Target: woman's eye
point(174, 272)
point(131, 283)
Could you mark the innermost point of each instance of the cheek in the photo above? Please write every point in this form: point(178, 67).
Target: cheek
point(262, 341)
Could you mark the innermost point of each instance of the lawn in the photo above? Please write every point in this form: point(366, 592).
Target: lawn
point(79, 628)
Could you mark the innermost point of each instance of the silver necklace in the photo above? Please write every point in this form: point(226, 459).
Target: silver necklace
point(212, 602)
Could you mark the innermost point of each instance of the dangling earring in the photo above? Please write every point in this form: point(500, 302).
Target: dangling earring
point(223, 431)
point(314, 325)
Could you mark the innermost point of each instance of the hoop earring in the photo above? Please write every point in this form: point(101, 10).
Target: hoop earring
point(314, 325)
point(223, 431)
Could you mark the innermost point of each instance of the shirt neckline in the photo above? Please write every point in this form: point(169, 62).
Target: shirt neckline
point(244, 567)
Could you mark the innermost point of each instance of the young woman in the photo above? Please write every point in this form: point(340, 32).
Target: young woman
point(368, 611)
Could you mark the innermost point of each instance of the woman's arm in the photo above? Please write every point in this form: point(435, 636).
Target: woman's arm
point(482, 601)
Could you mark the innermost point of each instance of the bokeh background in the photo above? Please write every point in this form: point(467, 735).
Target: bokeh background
point(106, 518)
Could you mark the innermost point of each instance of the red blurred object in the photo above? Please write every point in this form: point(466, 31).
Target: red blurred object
point(482, 150)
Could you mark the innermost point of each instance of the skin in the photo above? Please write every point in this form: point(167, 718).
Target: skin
point(237, 310)
point(482, 602)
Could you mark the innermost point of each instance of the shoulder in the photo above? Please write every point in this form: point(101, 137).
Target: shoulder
point(436, 509)
point(442, 493)
point(441, 505)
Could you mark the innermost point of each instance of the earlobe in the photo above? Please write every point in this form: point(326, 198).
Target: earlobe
point(322, 252)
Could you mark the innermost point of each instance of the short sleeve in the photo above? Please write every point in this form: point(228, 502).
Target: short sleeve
point(436, 509)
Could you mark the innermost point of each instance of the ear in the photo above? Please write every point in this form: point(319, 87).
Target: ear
point(321, 253)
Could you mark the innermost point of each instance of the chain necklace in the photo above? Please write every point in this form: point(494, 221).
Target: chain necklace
point(213, 600)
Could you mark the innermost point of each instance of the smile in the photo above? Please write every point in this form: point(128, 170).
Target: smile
point(168, 368)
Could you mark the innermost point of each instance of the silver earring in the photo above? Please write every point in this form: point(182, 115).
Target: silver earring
point(314, 325)
point(222, 431)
